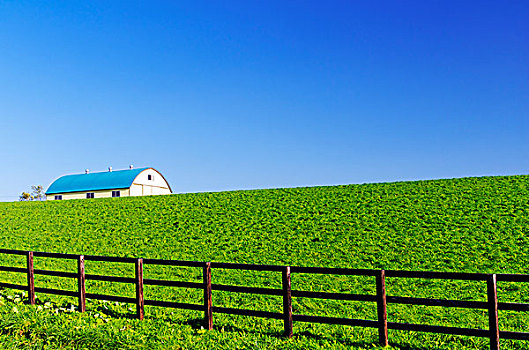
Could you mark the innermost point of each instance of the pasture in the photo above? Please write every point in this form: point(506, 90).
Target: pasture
point(459, 225)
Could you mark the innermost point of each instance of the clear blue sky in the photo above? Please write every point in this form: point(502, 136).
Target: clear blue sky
point(236, 95)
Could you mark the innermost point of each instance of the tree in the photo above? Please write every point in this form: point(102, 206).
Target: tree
point(25, 197)
point(37, 192)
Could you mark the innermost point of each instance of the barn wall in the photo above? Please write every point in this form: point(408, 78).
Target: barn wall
point(146, 190)
point(82, 195)
point(136, 190)
point(142, 186)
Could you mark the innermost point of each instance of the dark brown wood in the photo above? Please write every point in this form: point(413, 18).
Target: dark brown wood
point(13, 269)
point(174, 305)
point(510, 277)
point(13, 252)
point(514, 335)
point(56, 273)
point(107, 297)
point(111, 278)
point(31, 278)
point(249, 290)
point(246, 312)
point(254, 267)
point(333, 271)
point(513, 306)
point(54, 291)
point(81, 283)
point(438, 329)
point(173, 262)
point(438, 275)
point(287, 302)
point(492, 299)
point(110, 258)
point(333, 296)
point(208, 298)
point(182, 284)
point(13, 286)
point(140, 302)
point(336, 320)
point(382, 308)
point(56, 255)
point(468, 304)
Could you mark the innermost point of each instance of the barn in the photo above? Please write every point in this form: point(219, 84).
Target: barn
point(119, 183)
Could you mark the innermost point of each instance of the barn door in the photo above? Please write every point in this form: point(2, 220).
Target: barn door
point(147, 190)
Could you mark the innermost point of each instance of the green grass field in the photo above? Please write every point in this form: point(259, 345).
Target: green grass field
point(468, 225)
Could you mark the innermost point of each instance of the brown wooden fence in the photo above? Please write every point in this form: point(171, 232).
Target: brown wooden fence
point(380, 298)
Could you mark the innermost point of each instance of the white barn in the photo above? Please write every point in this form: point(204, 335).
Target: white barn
point(120, 183)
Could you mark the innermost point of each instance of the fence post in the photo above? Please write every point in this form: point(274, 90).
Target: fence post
point(287, 301)
point(31, 278)
point(492, 300)
point(81, 283)
point(140, 303)
point(208, 300)
point(382, 309)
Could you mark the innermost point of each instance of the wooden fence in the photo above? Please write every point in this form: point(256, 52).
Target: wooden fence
point(380, 298)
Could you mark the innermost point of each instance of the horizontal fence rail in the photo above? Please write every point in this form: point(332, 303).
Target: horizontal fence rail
point(286, 292)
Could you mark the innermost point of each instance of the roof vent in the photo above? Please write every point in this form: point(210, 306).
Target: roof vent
point(109, 169)
point(131, 167)
point(86, 171)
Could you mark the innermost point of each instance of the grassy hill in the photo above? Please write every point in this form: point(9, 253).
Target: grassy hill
point(468, 224)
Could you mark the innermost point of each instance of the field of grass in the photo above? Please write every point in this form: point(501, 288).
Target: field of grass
point(469, 225)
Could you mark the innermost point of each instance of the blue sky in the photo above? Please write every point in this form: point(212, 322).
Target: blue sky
point(242, 94)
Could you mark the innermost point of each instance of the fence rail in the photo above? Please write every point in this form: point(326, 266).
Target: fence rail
point(380, 297)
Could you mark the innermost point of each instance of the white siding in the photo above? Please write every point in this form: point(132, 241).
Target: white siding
point(159, 190)
point(82, 195)
point(136, 190)
point(142, 186)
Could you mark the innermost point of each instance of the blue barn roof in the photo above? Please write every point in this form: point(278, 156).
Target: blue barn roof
point(94, 181)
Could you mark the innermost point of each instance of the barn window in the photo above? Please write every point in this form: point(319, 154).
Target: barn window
point(90, 195)
point(59, 197)
point(150, 177)
point(116, 193)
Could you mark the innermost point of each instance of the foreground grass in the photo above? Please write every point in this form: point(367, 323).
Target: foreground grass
point(50, 325)
point(471, 225)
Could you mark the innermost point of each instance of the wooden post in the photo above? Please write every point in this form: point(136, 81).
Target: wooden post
point(382, 309)
point(140, 303)
point(492, 300)
point(287, 302)
point(31, 278)
point(81, 283)
point(208, 299)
